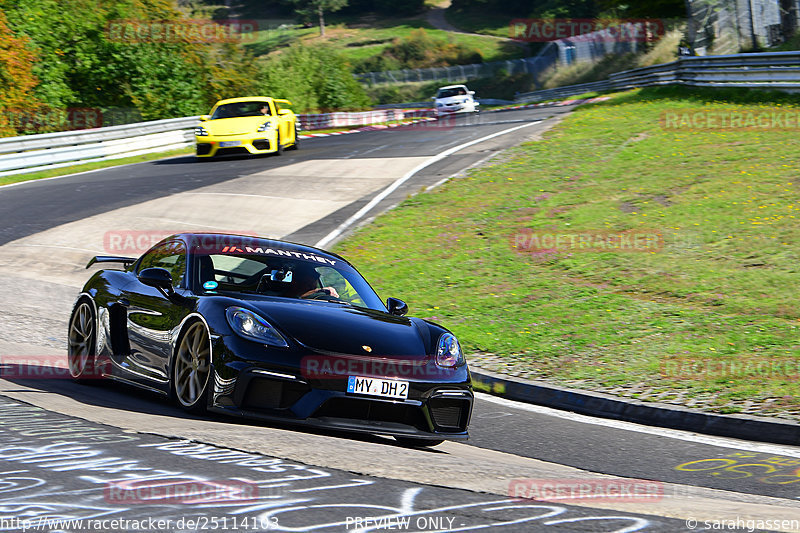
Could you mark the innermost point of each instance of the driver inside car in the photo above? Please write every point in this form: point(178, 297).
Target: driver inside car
point(306, 283)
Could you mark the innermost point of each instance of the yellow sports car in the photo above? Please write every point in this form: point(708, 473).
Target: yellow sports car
point(251, 124)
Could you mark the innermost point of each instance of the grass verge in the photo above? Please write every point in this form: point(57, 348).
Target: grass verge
point(709, 320)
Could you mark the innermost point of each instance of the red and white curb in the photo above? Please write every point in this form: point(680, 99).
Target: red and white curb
point(371, 127)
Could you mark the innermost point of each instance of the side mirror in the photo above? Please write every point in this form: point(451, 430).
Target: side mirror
point(433, 98)
point(284, 111)
point(472, 93)
point(156, 277)
point(203, 118)
point(396, 307)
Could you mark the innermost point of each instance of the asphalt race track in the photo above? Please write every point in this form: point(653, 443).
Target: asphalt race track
point(101, 453)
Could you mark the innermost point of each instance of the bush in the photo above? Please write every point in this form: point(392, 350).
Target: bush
point(420, 50)
point(312, 79)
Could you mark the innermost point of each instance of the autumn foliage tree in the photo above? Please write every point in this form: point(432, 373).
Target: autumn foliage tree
point(17, 81)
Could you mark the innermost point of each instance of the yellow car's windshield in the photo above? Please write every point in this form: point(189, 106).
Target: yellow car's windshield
point(241, 109)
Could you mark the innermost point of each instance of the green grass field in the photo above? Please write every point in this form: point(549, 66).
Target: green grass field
point(497, 24)
point(358, 39)
point(722, 289)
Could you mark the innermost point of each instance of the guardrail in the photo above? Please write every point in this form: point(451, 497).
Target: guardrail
point(359, 118)
point(766, 70)
point(31, 153)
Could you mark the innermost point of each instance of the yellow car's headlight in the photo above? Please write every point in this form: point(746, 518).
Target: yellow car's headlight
point(200, 131)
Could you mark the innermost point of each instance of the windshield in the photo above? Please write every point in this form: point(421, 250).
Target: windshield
point(285, 278)
point(447, 93)
point(253, 108)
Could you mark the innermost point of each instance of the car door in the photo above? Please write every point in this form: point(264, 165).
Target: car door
point(154, 317)
point(284, 124)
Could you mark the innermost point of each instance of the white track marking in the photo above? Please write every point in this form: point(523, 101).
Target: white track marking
point(724, 442)
point(408, 175)
point(251, 196)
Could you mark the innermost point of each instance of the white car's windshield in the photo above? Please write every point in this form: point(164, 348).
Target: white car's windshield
point(447, 93)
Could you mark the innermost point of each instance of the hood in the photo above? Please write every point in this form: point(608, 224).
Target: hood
point(235, 126)
point(341, 329)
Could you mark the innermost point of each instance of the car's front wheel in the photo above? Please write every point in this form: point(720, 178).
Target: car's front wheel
point(278, 141)
point(192, 367)
point(81, 342)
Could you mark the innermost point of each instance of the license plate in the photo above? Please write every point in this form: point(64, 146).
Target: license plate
point(228, 144)
point(385, 388)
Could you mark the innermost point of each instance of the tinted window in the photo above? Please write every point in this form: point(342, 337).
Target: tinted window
point(170, 256)
point(286, 278)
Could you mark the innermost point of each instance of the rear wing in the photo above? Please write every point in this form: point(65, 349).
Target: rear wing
point(277, 101)
point(111, 259)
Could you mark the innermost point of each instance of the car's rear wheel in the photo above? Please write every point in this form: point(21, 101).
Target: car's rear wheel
point(192, 367)
point(418, 443)
point(81, 341)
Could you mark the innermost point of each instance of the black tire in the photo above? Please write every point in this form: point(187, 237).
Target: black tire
point(81, 347)
point(414, 442)
point(296, 144)
point(191, 368)
point(279, 149)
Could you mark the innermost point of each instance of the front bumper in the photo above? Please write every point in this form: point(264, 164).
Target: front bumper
point(254, 143)
point(456, 108)
point(433, 410)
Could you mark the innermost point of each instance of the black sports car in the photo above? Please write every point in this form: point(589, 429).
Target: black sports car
point(271, 330)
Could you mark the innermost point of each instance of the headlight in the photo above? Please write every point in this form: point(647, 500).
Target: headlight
point(266, 126)
point(448, 352)
point(200, 131)
point(253, 327)
point(439, 104)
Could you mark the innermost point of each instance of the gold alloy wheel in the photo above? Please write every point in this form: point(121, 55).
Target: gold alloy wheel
point(81, 340)
point(192, 364)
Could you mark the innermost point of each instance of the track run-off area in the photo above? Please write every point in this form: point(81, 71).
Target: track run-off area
point(64, 447)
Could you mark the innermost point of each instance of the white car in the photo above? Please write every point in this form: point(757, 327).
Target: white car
point(455, 99)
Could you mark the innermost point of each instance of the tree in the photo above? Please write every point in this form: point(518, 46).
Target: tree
point(17, 80)
point(309, 8)
point(651, 8)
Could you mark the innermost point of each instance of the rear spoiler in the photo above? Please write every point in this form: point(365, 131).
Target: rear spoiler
point(276, 100)
point(111, 259)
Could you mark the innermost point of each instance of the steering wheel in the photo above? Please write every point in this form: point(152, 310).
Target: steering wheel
point(319, 294)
